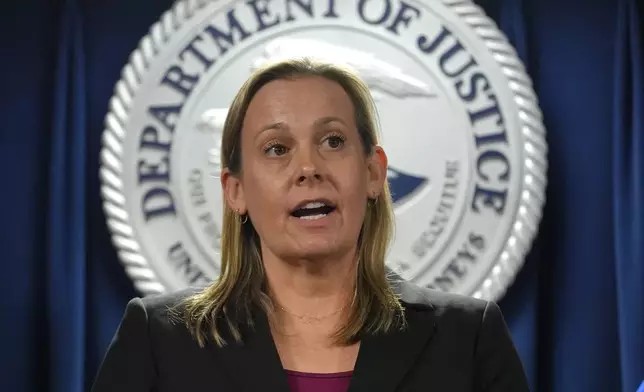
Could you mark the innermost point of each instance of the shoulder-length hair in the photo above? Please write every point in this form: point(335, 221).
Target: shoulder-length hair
point(224, 307)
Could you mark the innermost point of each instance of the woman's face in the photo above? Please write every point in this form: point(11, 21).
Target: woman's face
point(305, 177)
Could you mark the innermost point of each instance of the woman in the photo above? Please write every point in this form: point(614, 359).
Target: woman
point(303, 302)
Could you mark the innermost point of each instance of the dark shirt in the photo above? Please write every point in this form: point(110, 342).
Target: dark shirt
point(318, 382)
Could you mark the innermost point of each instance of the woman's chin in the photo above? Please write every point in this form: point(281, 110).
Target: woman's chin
point(320, 248)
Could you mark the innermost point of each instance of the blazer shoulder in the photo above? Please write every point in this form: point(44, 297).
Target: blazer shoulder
point(414, 296)
point(474, 326)
point(140, 344)
point(162, 306)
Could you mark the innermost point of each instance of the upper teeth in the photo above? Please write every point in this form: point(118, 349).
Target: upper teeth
point(315, 204)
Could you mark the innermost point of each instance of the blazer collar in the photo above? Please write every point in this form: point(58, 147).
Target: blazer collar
point(254, 365)
point(382, 363)
point(384, 360)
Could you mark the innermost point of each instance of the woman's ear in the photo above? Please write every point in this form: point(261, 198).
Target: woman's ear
point(233, 191)
point(377, 172)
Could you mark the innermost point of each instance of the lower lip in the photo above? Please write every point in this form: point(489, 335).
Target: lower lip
point(315, 221)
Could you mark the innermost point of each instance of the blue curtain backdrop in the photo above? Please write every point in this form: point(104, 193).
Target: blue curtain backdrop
point(576, 310)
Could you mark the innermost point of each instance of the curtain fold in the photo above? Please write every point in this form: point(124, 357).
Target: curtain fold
point(66, 262)
point(520, 305)
point(628, 191)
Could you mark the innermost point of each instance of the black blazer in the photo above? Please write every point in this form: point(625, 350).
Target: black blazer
point(451, 344)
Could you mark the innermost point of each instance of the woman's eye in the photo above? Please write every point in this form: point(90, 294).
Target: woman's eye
point(335, 141)
point(276, 149)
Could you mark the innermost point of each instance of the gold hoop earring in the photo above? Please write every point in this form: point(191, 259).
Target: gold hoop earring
point(372, 202)
point(242, 218)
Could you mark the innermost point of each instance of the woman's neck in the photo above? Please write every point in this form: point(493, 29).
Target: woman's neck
point(311, 295)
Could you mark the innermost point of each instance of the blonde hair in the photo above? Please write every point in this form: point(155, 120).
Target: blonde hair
point(225, 306)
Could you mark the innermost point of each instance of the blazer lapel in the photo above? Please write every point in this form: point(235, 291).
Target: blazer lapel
point(384, 360)
point(254, 365)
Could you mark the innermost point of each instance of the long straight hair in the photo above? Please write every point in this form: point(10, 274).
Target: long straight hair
point(224, 307)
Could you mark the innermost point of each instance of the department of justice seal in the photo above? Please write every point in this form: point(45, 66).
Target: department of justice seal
point(459, 121)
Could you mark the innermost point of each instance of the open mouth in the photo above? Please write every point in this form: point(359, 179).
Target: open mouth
point(313, 210)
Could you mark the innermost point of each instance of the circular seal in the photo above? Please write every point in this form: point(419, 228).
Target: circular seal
point(458, 116)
